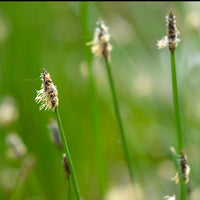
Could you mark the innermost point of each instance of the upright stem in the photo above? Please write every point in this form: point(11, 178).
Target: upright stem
point(184, 192)
point(184, 195)
point(73, 175)
point(25, 174)
point(101, 167)
point(34, 182)
point(116, 106)
point(97, 135)
point(176, 102)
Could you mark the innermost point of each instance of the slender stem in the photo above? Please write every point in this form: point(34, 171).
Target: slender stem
point(116, 106)
point(184, 192)
point(176, 102)
point(94, 103)
point(184, 195)
point(97, 135)
point(73, 175)
point(18, 189)
point(22, 178)
point(34, 182)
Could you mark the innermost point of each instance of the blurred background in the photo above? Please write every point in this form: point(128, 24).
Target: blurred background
point(34, 35)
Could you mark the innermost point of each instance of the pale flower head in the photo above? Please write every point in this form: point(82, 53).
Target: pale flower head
point(16, 148)
point(176, 178)
point(162, 43)
point(170, 198)
point(8, 111)
point(100, 44)
point(128, 191)
point(48, 94)
point(54, 133)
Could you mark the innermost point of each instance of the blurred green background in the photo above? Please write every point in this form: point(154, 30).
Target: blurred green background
point(34, 35)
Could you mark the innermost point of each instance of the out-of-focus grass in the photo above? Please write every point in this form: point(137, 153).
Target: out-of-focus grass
point(48, 34)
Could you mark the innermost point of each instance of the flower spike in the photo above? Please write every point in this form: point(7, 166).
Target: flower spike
point(48, 94)
point(171, 40)
point(100, 44)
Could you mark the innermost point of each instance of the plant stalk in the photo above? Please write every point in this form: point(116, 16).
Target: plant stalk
point(184, 195)
point(176, 103)
point(73, 175)
point(116, 106)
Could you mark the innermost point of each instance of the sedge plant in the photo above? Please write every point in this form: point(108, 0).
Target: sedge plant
point(171, 40)
point(101, 48)
point(48, 95)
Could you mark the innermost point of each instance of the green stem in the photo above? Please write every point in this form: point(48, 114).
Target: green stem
point(19, 189)
point(22, 178)
point(94, 104)
point(184, 195)
point(184, 192)
point(35, 186)
point(116, 106)
point(73, 175)
point(97, 135)
point(176, 102)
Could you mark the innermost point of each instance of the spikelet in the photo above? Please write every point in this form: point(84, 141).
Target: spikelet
point(16, 147)
point(185, 169)
point(176, 178)
point(48, 94)
point(100, 44)
point(66, 166)
point(54, 133)
point(171, 40)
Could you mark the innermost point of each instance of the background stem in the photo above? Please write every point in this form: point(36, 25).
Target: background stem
point(116, 106)
point(101, 167)
point(73, 175)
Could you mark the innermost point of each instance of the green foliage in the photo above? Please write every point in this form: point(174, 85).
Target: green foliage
point(34, 35)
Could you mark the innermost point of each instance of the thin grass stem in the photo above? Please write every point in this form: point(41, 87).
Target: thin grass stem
point(73, 175)
point(184, 195)
point(35, 186)
point(19, 188)
point(22, 179)
point(116, 106)
point(176, 103)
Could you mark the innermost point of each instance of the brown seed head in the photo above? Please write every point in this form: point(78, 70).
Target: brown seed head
point(48, 95)
point(66, 166)
point(185, 169)
point(172, 31)
point(171, 40)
